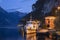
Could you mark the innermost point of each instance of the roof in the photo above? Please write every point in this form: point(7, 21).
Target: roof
point(50, 17)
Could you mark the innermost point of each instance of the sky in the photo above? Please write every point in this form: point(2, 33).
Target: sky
point(19, 5)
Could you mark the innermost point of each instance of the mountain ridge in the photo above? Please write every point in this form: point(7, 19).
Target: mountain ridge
point(9, 19)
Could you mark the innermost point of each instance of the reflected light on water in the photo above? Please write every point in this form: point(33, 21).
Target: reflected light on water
point(30, 36)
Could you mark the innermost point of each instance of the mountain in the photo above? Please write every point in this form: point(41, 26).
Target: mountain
point(35, 15)
point(3, 17)
point(41, 9)
point(9, 19)
point(16, 17)
point(20, 14)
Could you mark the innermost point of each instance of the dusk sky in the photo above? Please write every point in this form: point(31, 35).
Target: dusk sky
point(20, 5)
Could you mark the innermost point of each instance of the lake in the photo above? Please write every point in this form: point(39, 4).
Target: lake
point(14, 34)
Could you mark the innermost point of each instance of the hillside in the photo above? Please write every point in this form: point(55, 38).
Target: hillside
point(9, 19)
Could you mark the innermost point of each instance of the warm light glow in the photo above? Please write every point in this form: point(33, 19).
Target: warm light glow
point(31, 36)
point(50, 20)
point(58, 8)
point(50, 17)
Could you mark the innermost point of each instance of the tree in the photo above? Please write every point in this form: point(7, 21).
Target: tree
point(38, 7)
point(57, 21)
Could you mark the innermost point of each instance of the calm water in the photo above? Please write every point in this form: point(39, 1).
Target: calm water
point(10, 34)
point(13, 34)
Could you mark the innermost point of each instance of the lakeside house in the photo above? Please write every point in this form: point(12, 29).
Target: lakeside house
point(49, 22)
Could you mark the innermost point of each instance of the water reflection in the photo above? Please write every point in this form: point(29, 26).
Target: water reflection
point(34, 36)
point(39, 36)
point(31, 37)
point(13, 34)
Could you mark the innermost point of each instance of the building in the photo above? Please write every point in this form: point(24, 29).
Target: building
point(49, 21)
